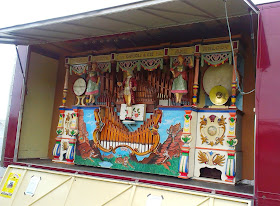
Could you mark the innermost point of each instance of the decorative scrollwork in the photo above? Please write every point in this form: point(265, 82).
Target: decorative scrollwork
point(104, 66)
point(187, 59)
point(147, 64)
point(127, 65)
point(151, 64)
point(216, 59)
point(79, 69)
point(212, 130)
point(211, 158)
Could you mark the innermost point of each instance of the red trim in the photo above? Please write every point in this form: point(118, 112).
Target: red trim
point(153, 182)
point(183, 175)
point(215, 149)
point(179, 91)
point(15, 108)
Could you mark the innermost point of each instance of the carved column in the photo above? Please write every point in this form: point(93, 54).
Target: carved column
point(195, 84)
point(59, 132)
point(185, 148)
point(234, 83)
point(70, 154)
point(65, 89)
point(89, 69)
point(232, 142)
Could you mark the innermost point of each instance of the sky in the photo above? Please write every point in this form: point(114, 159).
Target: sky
point(15, 12)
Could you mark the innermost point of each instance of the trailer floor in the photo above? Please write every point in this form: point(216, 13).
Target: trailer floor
point(238, 188)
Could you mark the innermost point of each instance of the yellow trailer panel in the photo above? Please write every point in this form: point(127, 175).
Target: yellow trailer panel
point(60, 188)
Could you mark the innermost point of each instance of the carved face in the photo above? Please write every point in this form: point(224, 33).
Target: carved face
point(129, 73)
point(94, 66)
point(180, 59)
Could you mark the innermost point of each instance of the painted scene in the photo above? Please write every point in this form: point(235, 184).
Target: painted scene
point(158, 153)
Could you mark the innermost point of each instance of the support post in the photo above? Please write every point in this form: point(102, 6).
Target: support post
point(185, 148)
point(89, 69)
point(65, 89)
point(232, 142)
point(59, 132)
point(234, 83)
point(195, 84)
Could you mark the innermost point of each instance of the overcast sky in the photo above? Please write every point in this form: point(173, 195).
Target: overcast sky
point(14, 12)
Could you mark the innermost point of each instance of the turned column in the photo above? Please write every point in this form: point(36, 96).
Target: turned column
point(195, 84)
point(65, 89)
point(234, 83)
point(89, 69)
point(185, 148)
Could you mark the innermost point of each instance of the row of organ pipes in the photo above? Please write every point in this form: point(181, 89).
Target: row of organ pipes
point(114, 133)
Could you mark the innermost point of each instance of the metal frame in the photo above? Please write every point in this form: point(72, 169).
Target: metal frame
point(13, 126)
point(143, 6)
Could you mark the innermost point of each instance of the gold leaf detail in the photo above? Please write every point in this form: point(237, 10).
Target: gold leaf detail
point(220, 140)
point(219, 160)
point(202, 157)
point(204, 139)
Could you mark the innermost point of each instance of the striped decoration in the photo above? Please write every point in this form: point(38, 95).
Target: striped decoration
point(70, 153)
point(56, 150)
point(185, 149)
point(230, 168)
point(183, 166)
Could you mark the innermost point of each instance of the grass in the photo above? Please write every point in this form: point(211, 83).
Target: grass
point(139, 167)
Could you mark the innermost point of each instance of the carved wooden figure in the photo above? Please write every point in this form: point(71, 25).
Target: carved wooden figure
point(92, 83)
point(179, 86)
point(129, 85)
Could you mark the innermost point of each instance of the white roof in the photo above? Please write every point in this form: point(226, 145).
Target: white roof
point(138, 16)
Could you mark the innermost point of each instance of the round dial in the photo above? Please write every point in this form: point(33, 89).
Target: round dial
point(79, 86)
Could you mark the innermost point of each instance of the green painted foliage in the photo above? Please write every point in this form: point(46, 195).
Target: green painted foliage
point(139, 167)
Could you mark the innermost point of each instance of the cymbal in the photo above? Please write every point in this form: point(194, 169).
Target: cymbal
point(218, 95)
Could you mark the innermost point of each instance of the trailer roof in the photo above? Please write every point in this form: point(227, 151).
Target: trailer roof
point(138, 16)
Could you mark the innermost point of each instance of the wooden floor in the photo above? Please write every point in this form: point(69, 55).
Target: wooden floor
point(238, 188)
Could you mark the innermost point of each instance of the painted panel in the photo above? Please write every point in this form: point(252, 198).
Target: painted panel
point(115, 151)
point(217, 144)
point(138, 112)
point(67, 130)
point(212, 129)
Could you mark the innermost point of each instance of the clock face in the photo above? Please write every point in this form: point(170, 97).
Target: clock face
point(79, 86)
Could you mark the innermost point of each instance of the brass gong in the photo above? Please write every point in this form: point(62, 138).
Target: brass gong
point(218, 95)
point(221, 75)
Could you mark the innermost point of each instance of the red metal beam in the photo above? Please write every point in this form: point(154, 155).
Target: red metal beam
point(15, 108)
